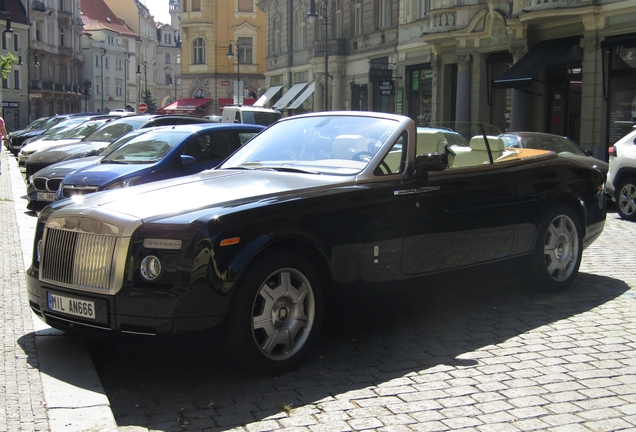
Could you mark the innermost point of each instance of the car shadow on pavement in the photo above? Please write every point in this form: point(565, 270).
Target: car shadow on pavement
point(372, 341)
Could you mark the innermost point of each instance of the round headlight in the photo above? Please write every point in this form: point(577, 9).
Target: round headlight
point(150, 267)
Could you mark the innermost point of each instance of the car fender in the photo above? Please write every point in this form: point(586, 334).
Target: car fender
point(231, 260)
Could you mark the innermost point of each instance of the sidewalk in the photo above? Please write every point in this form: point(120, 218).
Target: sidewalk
point(48, 379)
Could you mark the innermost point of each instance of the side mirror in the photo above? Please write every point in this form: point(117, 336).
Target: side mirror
point(429, 162)
point(187, 160)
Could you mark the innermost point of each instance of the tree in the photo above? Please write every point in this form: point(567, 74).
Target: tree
point(149, 99)
point(6, 64)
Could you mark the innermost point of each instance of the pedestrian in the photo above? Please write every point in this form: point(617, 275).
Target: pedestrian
point(3, 129)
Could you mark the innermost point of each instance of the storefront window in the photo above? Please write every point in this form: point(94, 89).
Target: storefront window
point(420, 94)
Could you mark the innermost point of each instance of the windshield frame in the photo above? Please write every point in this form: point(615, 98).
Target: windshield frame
point(317, 143)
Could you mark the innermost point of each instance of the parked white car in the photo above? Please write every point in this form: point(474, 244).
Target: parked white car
point(621, 177)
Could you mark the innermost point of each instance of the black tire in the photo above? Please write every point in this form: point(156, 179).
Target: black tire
point(626, 199)
point(277, 287)
point(558, 251)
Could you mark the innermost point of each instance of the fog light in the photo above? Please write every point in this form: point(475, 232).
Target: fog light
point(150, 267)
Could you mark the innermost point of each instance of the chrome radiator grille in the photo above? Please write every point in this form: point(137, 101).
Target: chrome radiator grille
point(78, 259)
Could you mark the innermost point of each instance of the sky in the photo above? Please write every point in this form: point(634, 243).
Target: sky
point(158, 8)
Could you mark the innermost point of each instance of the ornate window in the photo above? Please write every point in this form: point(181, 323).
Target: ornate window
point(384, 13)
point(198, 51)
point(357, 17)
point(245, 50)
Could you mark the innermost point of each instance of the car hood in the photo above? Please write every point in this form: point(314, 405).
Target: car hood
point(31, 133)
point(62, 169)
point(42, 144)
point(98, 174)
point(208, 189)
point(56, 154)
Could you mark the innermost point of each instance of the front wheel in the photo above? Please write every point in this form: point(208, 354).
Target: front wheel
point(626, 199)
point(558, 251)
point(275, 314)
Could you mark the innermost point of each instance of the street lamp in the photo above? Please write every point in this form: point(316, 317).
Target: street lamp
point(312, 16)
point(145, 65)
point(173, 80)
point(238, 88)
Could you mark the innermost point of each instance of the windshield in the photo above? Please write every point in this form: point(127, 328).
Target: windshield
point(51, 122)
point(146, 148)
point(58, 131)
point(327, 144)
point(121, 141)
point(84, 129)
point(36, 124)
point(115, 129)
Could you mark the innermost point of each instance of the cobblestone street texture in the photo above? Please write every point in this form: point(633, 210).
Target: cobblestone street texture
point(484, 355)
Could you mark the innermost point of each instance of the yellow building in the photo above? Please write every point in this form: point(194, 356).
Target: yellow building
point(208, 29)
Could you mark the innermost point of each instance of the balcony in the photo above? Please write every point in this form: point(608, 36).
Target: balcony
point(337, 47)
point(539, 5)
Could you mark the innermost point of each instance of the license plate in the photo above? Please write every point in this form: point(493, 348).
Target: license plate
point(71, 306)
point(45, 196)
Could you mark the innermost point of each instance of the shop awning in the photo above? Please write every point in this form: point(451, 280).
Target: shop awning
point(184, 106)
point(291, 94)
point(270, 93)
point(545, 53)
point(303, 96)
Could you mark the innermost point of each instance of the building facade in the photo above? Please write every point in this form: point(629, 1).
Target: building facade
point(564, 67)
point(14, 96)
point(148, 67)
point(212, 29)
point(55, 57)
point(109, 50)
point(168, 64)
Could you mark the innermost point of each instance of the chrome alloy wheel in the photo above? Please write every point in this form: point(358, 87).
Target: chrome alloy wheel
point(283, 314)
point(561, 248)
point(627, 199)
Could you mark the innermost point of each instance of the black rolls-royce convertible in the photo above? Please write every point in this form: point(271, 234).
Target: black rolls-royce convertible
point(313, 205)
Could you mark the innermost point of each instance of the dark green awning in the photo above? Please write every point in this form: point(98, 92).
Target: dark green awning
point(545, 53)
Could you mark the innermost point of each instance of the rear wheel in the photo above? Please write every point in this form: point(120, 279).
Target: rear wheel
point(626, 199)
point(558, 251)
point(275, 314)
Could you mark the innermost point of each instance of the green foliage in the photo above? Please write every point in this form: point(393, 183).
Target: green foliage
point(149, 98)
point(6, 64)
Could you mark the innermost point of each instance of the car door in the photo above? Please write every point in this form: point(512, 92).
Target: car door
point(458, 218)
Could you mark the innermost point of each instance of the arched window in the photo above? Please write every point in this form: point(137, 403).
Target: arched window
point(198, 51)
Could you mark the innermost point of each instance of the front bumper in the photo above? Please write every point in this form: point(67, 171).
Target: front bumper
point(132, 313)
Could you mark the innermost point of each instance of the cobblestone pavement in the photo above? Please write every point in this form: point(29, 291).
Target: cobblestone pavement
point(487, 357)
point(22, 404)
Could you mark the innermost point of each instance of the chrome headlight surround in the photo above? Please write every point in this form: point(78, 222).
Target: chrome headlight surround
point(150, 267)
